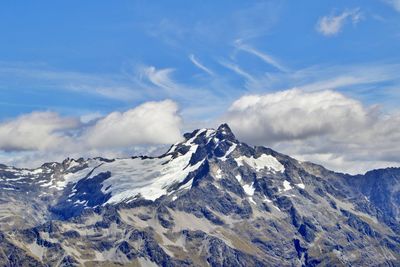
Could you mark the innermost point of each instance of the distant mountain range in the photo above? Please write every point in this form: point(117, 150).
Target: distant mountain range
point(210, 200)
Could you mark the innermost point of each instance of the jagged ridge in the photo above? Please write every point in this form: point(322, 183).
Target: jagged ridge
point(208, 200)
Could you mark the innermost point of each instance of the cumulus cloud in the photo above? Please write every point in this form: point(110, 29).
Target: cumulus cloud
point(149, 123)
point(295, 114)
point(36, 131)
point(49, 136)
point(332, 24)
point(326, 127)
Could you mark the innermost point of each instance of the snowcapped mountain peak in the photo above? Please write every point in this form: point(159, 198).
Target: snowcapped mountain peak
point(97, 182)
point(225, 132)
point(92, 182)
point(204, 135)
point(209, 190)
point(209, 142)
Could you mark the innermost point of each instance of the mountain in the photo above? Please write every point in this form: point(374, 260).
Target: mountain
point(209, 200)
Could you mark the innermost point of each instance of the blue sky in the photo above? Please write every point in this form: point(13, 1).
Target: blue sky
point(86, 59)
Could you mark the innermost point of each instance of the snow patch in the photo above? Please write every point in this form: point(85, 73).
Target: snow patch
point(8, 188)
point(48, 183)
point(262, 162)
point(249, 189)
point(80, 202)
point(239, 178)
point(267, 200)
point(37, 171)
point(72, 164)
point(218, 175)
point(209, 132)
point(73, 177)
point(230, 150)
point(286, 185)
point(150, 178)
point(190, 141)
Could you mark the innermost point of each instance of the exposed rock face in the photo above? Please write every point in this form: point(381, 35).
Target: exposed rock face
point(210, 200)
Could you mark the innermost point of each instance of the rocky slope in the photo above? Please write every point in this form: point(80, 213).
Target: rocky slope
point(209, 200)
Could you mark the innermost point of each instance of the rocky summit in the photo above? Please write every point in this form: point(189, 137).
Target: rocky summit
point(210, 200)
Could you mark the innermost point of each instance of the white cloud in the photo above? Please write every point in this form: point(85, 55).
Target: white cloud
point(47, 136)
point(197, 63)
point(89, 117)
point(35, 131)
point(160, 77)
point(347, 78)
point(331, 25)
point(236, 69)
point(261, 55)
point(112, 92)
point(149, 123)
point(115, 86)
point(194, 97)
point(294, 114)
point(394, 3)
point(326, 127)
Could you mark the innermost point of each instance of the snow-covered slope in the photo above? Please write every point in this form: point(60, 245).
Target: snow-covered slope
point(209, 200)
point(149, 178)
point(152, 177)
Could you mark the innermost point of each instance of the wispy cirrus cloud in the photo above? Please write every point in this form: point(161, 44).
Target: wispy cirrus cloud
point(160, 77)
point(394, 3)
point(348, 78)
point(197, 63)
point(345, 77)
point(325, 95)
point(198, 100)
point(113, 86)
point(237, 69)
point(261, 55)
point(331, 25)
